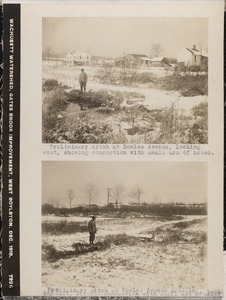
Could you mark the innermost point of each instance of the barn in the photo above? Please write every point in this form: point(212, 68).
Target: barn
point(133, 60)
point(192, 58)
point(138, 60)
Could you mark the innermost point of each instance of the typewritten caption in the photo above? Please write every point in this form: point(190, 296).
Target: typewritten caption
point(69, 150)
point(132, 292)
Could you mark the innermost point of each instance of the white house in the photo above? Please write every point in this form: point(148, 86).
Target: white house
point(192, 57)
point(77, 59)
point(69, 58)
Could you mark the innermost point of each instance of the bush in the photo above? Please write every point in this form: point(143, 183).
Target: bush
point(175, 127)
point(49, 84)
point(48, 209)
point(187, 85)
point(49, 253)
point(81, 130)
point(198, 133)
point(55, 102)
point(126, 76)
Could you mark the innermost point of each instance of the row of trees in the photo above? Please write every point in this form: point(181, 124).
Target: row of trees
point(114, 203)
point(91, 192)
point(154, 209)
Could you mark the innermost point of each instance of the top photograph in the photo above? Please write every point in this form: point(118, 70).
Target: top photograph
point(125, 80)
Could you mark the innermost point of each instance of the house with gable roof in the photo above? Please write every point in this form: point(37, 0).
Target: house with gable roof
point(193, 58)
point(77, 59)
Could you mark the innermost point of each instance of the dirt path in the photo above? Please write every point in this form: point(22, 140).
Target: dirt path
point(138, 232)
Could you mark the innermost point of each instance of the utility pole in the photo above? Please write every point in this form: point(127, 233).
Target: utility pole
point(109, 190)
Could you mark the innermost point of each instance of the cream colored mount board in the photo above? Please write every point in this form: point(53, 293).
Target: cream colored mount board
point(117, 133)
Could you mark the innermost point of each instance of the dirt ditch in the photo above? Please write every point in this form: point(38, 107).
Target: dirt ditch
point(118, 116)
point(51, 254)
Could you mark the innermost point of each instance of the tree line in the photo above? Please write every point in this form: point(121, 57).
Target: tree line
point(144, 209)
point(114, 195)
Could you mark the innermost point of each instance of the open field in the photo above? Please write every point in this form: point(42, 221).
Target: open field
point(129, 252)
point(139, 106)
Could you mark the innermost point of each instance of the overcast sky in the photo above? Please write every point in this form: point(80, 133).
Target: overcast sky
point(115, 37)
point(160, 181)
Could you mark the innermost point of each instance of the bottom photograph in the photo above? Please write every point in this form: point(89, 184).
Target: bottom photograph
point(124, 224)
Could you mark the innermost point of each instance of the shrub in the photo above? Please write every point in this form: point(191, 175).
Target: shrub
point(81, 130)
point(198, 133)
point(126, 76)
point(49, 84)
point(48, 209)
point(55, 102)
point(188, 85)
point(49, 253)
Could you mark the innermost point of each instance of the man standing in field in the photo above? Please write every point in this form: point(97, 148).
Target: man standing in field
point(83, 78)
point(92, 230)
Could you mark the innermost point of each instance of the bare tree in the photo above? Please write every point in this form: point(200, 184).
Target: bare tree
point(52, 199)
point(117, 194)
point(136, 194)
point(156, 49)
point(91, 192)
point(70, 197)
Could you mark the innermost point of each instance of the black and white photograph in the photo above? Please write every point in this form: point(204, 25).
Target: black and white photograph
point(113, 156)
point(121, 80)
point(124, 224)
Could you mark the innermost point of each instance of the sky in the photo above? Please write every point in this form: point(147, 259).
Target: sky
point(165, 182)
point(114, 37)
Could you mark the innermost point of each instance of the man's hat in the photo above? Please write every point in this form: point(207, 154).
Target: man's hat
point(82, 69)
point(93, 217)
